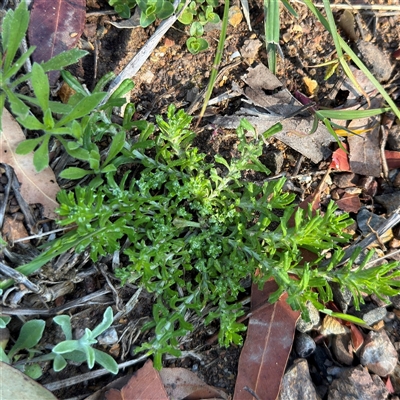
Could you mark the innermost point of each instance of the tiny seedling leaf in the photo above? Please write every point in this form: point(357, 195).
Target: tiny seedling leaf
point(59, 363)
point(105, 323)
point(67, 346)
point(40, 85)
point(74, 173)
point(65, 323)
point(29, 336)
point(106, 361)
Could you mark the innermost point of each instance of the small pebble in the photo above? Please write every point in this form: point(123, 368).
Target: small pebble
point(109, 337)
point(304, 345)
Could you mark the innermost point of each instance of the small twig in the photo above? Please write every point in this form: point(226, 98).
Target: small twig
point(19, 278)
point(297, 166)
point(83, 301)
point(90, 375)
point(393, 220)
point(252, 392)
point(140, 58)
point(129, 306)
point(385, 169)
point(361, 7)
point(369, 264)
point(40, 235)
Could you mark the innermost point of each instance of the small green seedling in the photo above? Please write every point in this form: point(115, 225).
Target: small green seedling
point(152, 9)
point(81, 349)
point(195, 43)
point(123, 7)
point(29, 336)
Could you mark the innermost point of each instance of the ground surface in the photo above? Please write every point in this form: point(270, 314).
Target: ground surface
point(173, 75)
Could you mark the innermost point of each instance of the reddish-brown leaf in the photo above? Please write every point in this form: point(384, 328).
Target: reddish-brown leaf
point(349, 202)
point(340, 160)
point(144, 384)
point(392, 159)
point(55, 26)
point(269, 340)
point(181, 383)
point(357, 338)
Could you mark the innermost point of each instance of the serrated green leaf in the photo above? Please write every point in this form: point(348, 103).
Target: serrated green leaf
point(84, 107)
point(74, 84)
point(63, 59)
point(31, 122)
point(74, 173)
point(41, 155)
point(117, 145)
point(41, 86)
point(15, 24)
point(109, 168)
point(27, 145)
point(17, 65)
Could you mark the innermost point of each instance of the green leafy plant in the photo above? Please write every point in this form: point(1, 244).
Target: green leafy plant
point(83, 121)
point(79, 351)
point(197, 230)
point(15, 25)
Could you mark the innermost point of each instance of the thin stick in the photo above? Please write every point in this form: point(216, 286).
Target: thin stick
point(140, 58)
point(362, 7)
point(90, 375)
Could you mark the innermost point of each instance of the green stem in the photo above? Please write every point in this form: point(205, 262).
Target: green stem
point(217, 61)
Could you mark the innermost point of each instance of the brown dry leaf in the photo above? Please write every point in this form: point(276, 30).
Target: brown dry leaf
point(268, 343)
point(311, 86)
point(13, 230)
point(357, 338)
point(340, 160)
point(55, 26)
point(349, 202)
point(144, 384)
point(181, 383)
point(332, 326)
point(392, 159)
point(235, 16)
point(36, 187)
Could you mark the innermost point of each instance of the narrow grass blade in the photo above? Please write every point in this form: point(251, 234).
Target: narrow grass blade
point(346, 48)
point(271, 25)
point(217, 61)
